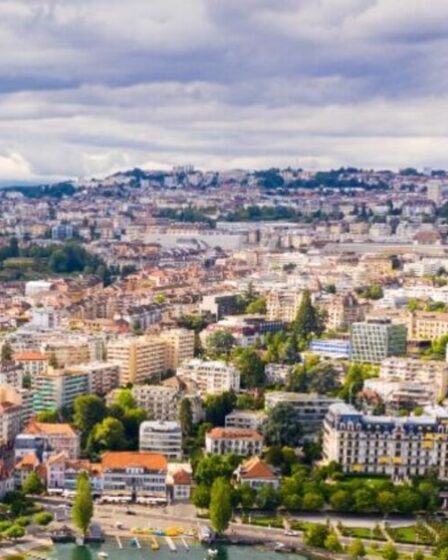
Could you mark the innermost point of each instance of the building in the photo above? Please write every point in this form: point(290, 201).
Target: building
point(180, 482)
point(427, 325)
point(342, 311)
point(219, 305)
point(15, 413)
point(210, 377)
point(58, 388)
point(430, 373)
point(331, 348)
point(103, 376)
point(282, 305)
point(399, 447)
point(246, 419)
point(256, 473)
point(233, 440)
point(134, 474)
point(179, 347)
point(45, 318)
point(62, 474)
point(140, 358)
point(311, 408)
point(376, 339)
point(161, 437)
point(32, 363)
point(40, 436)
point(161, 402)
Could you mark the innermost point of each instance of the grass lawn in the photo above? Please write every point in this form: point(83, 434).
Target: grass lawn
point(276, 522)
point(404, 534)
point(361, 533)
point(303, 525)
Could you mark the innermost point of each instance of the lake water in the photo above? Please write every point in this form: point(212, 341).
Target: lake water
point(196, 552)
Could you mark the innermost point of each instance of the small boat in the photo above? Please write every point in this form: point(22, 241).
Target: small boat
point(212, 552)
point(80, 541)
point(102, 555)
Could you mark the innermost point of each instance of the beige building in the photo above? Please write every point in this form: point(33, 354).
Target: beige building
point(342, 311)
point(146, 357)
point(427, 325)
point(282, 305)
point(210, 377)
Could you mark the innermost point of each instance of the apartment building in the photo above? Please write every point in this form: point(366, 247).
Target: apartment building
point(159, 401)
point(399, 447)
point(246, 419)
point(219, 305)
point(311, 408)
point(233, 440)
point(256, 473)
point(15, 412)
point(161, 437)
point(425, 325)
point(282, 305)
point(32, 363)
point(342, 311)
point(134, 474)
point(146, 357)
point(210, 377)
point(46, 436)
point(376, 339)
point(103, 376)
point(59, 388)
point(430, 373)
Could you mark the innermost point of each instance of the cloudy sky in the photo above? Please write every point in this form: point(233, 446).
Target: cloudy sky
point(92, 86)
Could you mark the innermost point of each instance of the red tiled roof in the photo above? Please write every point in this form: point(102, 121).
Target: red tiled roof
point(30, 356)
point(50, 429)
point(125, 459)
point(234, 433)
point(256, 468)
point(182, 477)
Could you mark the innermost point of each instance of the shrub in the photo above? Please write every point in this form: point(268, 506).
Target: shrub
point(43, 518)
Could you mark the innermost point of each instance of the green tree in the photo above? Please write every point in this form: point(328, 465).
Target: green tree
point(257, 306)
point(332, 543)
point(408, 499)
point(125, 399)
point(33, 484)
point(219, 343)
point(52, 361)
point(390, 552)
point(131, 420)
point(89, 410)
point(15, 532)
point(218, 406)
point(316, 535)
point(7, 353)
point(186, 417)
point(356, 549)
point(251, 367)
point(201, 496)
point(282, 426)
point(220, 505)
point(109, 435)
point(267, 497)
point(341, 500)
point(43, 518)
point(386, 501)
point(312, 501)
point(48, 416)
point(211, 467)
point(82, 511)
point(308, 320)
point(247, 496)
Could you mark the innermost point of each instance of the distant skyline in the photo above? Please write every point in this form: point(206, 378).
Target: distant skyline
point(89, 87)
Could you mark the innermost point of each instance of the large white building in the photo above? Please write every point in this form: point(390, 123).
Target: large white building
point(161, 437)
point(211, 377)
point(233, 440)
point(400, 447)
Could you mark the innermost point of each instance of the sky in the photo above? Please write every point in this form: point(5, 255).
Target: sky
point(89, 87)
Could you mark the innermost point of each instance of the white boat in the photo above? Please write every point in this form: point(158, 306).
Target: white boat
point(102, 555)
point(212, 552)
point(80, 541)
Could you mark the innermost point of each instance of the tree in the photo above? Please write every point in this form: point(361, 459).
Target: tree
point(308, 320)
point(201, 496)
point(211, 467)
point(218, 406)
point(386, 501)
point(341, 500)
point(390, 552)
point(312, 501)
point(267, 497)
point(33, 484)
point(220, 505)
point(316, 535)
point(251, 367)
point(246, 496)
point(82, 511)
point(52, 361)
point(408, 499)
point(15, 532)
point(125, 399)
point(107, 436)
point(356, 549)
point(43, 518)
point(48, 416)
point(332, 543)
point(282, 426)
point(219, 343)
point(131, 420)
point(89, 410)
point(7, 353)
point(257, 306)
point(186, 417)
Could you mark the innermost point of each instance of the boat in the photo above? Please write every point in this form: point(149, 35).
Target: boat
point(80, 541)
point(102, 554)
point(212, 552)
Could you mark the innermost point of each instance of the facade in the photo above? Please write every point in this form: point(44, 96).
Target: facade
point(425, 325)
point(130, 473)
point(399, 447)
point(15, 413)
point(103, 376)
point(210, 377)
point(161, 437)
point(342, 312)
point(282, 305)
point(59, 388)
point(246, 419)
point(311, 408)
point(179, 347)
point(337, 349)
point(375, 339)
point(49, 437)
point(159, 401)
point(33, 363)
point(277, 373)
point(219, 305)
point(431, 373)
point(233, 440)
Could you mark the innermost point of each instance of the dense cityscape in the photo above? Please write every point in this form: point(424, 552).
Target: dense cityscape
point(249, 347)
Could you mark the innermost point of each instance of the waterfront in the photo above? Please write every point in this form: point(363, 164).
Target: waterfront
point(130, 552)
